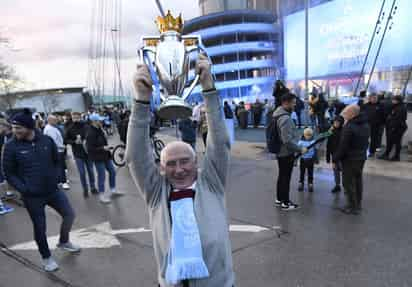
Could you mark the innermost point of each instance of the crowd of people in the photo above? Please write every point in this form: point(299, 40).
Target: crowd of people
point(194, 247)
point(354, 134)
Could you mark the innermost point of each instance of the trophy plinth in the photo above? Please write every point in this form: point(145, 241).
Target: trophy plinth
point(170, 58)
point(174, 108)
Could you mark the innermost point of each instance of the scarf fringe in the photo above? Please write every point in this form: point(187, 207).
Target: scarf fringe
point(186, 269)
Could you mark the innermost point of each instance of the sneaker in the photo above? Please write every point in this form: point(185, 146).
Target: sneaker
point(395, 158)
point(289, 206)
point(70, 247)
point(336, 189)
point(50, 265)
point(371, 155)
point(85, 193)
point(310, 188)
point(104, 198)
point(300, 188)
point(65, 186)
point(94, 191)
point(4, 209)
point(10, 193)
point(115, 192)
point(278, 203)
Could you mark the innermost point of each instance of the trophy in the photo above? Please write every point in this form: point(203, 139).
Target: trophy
point(168, 55)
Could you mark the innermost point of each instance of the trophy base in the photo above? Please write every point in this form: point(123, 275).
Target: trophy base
point(174, 108)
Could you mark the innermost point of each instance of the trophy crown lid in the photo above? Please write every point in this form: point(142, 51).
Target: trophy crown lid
point(170, 23)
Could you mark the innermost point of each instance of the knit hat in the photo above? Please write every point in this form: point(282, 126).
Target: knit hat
point(24, 119)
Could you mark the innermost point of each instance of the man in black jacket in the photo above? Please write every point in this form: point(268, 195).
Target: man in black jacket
point(331, 149)
point(395, 128)
point(76, 136)
point(30, 166)
point(352, 154)
point(99, 152)
point(376, 118)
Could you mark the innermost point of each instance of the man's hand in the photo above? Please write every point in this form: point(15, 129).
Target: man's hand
point(203, 68)
point(142, 83)
point(304, 150)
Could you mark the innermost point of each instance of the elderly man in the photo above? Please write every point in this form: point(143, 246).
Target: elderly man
point(186, 206)
point(52, 131)
point(352, 153)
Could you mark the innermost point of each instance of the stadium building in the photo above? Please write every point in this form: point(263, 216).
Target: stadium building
point(243, 40)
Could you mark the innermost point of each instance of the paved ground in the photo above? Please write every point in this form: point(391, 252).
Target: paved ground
point(312, 247)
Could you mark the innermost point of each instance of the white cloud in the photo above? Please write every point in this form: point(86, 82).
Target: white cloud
point(52, 37)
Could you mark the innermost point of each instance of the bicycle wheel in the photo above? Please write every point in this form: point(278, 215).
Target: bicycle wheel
point(119, 155)
point(158, 146)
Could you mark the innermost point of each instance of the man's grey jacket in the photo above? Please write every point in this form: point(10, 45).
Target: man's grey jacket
point(209, 202)
point(288, 133)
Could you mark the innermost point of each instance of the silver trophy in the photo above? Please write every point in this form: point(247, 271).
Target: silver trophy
point(169, 53)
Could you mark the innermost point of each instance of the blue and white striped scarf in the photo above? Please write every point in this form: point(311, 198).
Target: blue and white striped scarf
point(185, 260)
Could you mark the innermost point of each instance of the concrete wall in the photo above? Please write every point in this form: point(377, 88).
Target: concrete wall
point(53, 102)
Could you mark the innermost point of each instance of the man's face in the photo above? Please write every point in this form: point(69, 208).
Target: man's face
point(290, 106)
point(20, 132)
point(336, 124)
point(76, 118)
point(373, 99)
point(180, 167)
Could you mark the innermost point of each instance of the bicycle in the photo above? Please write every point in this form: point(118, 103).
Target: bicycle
point(119, 151)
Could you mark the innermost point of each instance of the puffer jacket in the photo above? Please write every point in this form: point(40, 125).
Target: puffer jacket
point(31, 166)
point(354, 140)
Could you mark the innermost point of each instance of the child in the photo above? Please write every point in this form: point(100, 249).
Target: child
point(331, 148)
point(307, 160)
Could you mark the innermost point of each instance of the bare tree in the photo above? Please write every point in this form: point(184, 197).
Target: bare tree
point(9, 82)
point(50, 103)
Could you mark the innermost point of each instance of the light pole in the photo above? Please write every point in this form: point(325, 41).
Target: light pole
point(306, 47)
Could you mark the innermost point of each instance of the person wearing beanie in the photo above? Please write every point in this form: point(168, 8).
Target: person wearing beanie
point(331, 148)
point(351, 153)
point(30, 166)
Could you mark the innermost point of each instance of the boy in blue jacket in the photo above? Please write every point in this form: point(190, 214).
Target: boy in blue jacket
point(307, 160)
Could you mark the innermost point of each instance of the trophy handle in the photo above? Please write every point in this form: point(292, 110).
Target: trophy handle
point(195, 82)
point(144, 59)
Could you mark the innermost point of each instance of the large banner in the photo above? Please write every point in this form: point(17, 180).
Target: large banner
point(339, 35)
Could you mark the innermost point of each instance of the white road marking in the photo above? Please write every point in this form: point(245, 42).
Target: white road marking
point(103, 236)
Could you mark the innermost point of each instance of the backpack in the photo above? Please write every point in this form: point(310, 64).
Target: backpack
point(273, 141)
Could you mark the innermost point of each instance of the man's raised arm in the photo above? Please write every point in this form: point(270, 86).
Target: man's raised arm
point(218, 143)
point(139, 153)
